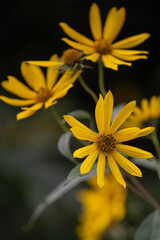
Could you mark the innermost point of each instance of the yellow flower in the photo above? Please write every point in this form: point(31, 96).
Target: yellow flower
point(71, 59)
point(41, 91)
point(109, 141)
point(146, 115)
point(103, 45)
point(102, 207)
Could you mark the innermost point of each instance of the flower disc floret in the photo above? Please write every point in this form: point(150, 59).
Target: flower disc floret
point(106, 143)
point(71, 56)
point(44, 94)
point(102, 47)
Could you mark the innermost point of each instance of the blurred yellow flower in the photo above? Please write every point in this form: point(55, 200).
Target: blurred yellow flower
point(146, 115)
point(101, 208)
point(41, 91)
point(103, 45)
point(108, 141)
point(71, 59)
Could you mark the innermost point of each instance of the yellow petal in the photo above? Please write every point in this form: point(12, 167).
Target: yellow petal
point(88, 162)
point(79, 46)
point(76, 124)
point(133, 151)
point(75, 35)
point(82, 134)
point(93, 57)
point(117, 61)
point(84, 151)
point(145, 107)
point(127, 165)
point(132, 41)
point(107, 61)
point(13, 85)
point(114, 23)
point(29, 112)
point(108, 107)
point(115, 170)
point(101, 169)
point(145, 131)
point(49, 104)
point(33, 75)
point(52, 73)
point(126, 134)
point(99, 114)
point(122, 116)
point(17, 102)
point(95, 22)
point(124, 54)
point(45, 63)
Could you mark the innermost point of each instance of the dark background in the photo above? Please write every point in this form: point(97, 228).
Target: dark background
point(30, 164)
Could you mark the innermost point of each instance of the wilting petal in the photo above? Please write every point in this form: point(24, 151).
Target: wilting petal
point(33, 75)
point(84, 151)
point(52, 73)
point(17, 102)
point(95, 22)
point(108, 108)
point(133, 151)
point(79, 46)
point(115, 170)
point(29, 111)
point(88, 162)
point(127, 165)
point(132, 41)
point(114, 23)
point(122, 116)
point(101, 169)
point(14, 86)
point(126, 134)
point(75, 35)
point(99, 114)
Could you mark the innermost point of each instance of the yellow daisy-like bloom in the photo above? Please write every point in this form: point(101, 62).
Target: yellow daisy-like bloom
point(103, 45)
point(109, 141)
point(102, 208)
point(146, 115)
point(41, 91)
point(71, 59)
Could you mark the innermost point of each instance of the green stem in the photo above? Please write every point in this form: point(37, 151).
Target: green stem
point(101, 78)
point(142, 192)
point(87, 89)
point(155, 141)
point(59, 120)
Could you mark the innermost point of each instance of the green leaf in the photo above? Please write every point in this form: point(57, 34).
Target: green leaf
point(149, 228)
point(64, 146)
point(75, 172)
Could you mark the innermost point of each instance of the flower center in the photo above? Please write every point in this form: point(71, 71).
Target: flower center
point(70, 56)
point(102, 47)
point(106, 143)
point(43, 95)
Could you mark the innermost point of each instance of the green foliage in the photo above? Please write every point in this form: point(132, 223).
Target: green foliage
point(149, 228)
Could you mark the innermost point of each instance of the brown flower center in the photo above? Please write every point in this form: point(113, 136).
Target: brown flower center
point(102, 47)
point(43, 95)
point(106, 143)
point(70, 56)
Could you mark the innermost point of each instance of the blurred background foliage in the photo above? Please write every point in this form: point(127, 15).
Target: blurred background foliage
point(30, 164)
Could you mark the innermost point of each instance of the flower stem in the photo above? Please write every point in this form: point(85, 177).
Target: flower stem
point(155, 141)
point(59, 120)
point(101, 78)
point(87, 89)
point(142, 192)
